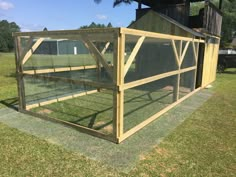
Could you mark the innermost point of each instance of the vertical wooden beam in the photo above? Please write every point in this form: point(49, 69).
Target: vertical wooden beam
point(177, 82)
point(195, 49)
point(118, 95)
point(19, 74)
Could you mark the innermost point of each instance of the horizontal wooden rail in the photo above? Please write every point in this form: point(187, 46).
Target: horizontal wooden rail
point(42, 103)
point(53, 70)
point(76, 126)
point(73, 81)
point(157, 35)
point(155, 78)
point(57, 33)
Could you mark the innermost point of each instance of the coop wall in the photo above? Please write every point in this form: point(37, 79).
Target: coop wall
point(210, 60)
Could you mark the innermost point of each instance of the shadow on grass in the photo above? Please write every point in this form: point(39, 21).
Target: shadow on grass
point(10, 102)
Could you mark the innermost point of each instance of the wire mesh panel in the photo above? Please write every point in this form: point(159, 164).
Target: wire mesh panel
point(93, 111)
point(144, 101)
point(155, 56)
point(188, 59)
point(186, 83)
point(64, 78)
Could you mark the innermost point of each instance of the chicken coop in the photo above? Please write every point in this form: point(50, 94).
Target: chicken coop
point(111, 82)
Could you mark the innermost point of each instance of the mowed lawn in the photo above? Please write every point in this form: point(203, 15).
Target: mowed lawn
point(203, 145)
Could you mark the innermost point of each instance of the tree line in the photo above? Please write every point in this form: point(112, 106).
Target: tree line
point(6, 39)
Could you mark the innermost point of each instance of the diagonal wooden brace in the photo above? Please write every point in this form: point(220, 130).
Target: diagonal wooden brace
point(177, 59)
point(184, 52)
point(133, 54)
point(31, 50)
point(98, 56)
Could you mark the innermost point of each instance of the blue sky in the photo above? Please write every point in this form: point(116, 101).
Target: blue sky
point(33, 15)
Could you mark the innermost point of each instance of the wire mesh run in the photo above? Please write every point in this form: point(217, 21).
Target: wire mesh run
point(107, 82)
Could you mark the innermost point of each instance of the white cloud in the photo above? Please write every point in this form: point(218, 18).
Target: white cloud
point(101, 17)
point(4, 5)
point(31, 27)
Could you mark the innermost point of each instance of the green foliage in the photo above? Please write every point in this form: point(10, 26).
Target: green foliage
point(6, 39)
point(7, 77)
point(229, 21)
point(116, 2)
point(96, 25)
point(195, 7)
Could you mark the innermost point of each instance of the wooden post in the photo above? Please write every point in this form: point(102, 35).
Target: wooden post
point(195, 51)
point(118, 95)
point(19, 75)
point(177, 81)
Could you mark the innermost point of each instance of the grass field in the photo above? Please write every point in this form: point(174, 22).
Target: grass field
point(51, 61)
point(203, 145)
point(7, 79)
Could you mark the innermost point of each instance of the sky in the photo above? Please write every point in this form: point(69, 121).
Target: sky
point(34, 15)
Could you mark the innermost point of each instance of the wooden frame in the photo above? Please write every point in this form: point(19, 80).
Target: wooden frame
point(117, 71)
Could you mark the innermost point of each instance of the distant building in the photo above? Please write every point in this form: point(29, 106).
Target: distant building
point(61, 47)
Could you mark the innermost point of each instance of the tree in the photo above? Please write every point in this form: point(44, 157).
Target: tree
point(116, 2)
point(109, 25)
point(229, 22)
point(6, 39)
point(96, 25)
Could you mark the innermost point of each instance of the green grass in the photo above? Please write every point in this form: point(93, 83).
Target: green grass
point(8, 87)
point(57, 61)
point(203, 145)
point(24, 155)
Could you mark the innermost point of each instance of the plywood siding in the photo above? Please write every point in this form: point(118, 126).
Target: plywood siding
point(210, 61)
point(154, 22)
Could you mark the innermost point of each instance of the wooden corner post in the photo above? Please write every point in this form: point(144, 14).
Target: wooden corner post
point(178, 54)
point(118, 94)
point(19, 74)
